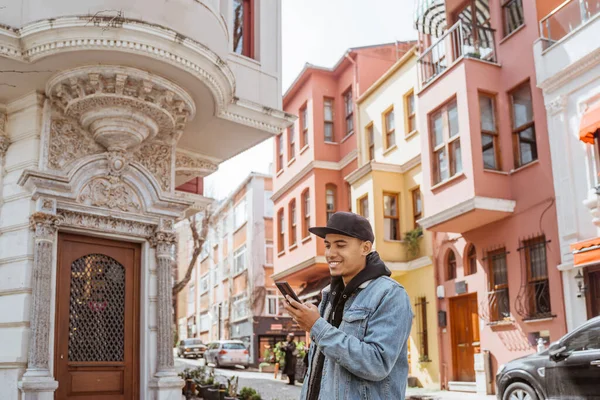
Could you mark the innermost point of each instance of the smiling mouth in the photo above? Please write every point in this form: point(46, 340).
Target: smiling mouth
point(334, 264)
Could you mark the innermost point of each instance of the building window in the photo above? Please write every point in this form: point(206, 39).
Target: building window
point(239, 260)
point(330, 198)
point(240, 307)
point(391, 223)
point(225, 268)
point(204, 284)
point(305, 213)
point(445, 140)
point(363, 206)
point(243, 27)
point(191, 297)
point(471, 264)
point(239, 214)
point(280, 235)
point(499, 301)
point(417, 202)
point(411, 113)
point(292, 211)
point(450, 265)
point(304, 126)
point(421, 311)
point(280, 152)
point(268, 204)
point(538, 289)
point(328, 118)
point(291, 142)
point(349, 196)
point(371, 141)
point(389, 127)
point(269, 253)
point(271, 305)
point(489, 132)
point(349, 111)
point(513, 16)
point(523, 126)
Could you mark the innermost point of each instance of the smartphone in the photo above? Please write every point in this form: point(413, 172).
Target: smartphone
point(286, 290)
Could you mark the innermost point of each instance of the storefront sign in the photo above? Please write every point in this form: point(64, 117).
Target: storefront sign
point(276, 327)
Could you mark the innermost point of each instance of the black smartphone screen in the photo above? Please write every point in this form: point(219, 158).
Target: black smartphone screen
point(287, 290)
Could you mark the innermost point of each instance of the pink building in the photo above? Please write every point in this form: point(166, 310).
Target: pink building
point(487, 187)
point(314, 155)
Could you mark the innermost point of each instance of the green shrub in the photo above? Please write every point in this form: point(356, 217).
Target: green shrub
point(249, 394)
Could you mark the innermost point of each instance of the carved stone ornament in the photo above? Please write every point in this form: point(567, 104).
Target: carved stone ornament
point(118, 161)
point(4, 143)
point(44, 225)
point(100, 223)
point(163, 241)
point(557, 105)
point(187, 165)
point(68, 143)
point(157, 158)
point(111, 193)
point(120, 106)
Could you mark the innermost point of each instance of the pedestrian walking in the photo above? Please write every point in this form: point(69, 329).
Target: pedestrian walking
point(360, 330)
point(290, 359)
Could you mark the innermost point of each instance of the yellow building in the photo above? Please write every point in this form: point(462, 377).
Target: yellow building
point(385, 189)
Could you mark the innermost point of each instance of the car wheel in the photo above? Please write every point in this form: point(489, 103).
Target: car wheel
point(519, 391)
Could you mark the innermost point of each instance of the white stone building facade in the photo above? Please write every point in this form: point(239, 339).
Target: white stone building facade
point(106, 108)
point(567, 61)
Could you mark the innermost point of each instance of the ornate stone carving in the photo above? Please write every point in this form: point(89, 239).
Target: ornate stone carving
point(44, 225)
point(4, 140)
point(105, 224)
point(68, 143)
point(118, 161)
point(157, 158)
point(187, 165)
point(120, 106)
point(111, 193)
point(163, 241)
point(557, 105)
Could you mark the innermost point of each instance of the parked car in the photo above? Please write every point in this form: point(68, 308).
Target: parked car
point(191, 348)
point(568, 369)
point(227, 353)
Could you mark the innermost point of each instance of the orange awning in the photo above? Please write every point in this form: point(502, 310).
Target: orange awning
point(586, 252)
point(590, 123)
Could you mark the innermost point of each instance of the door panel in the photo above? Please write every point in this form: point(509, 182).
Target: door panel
point(465, 336)
point(97, 328)
point(593, 297)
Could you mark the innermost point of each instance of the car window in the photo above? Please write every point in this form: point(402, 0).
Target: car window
point(234, 346)
point(213, 346)
point(588, 339)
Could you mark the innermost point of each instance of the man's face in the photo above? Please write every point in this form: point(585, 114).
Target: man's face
point(345, 255)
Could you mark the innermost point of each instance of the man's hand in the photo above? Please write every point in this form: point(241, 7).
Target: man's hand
point(304, 314)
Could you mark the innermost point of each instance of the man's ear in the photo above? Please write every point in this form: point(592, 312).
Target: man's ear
point(366, 247)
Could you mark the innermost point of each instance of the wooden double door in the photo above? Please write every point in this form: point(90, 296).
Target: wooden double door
point(592, 281)
point(464, 321)
point(97, 319)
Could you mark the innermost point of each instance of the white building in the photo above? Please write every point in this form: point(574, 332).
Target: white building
point(113, 113)
point(568, 69)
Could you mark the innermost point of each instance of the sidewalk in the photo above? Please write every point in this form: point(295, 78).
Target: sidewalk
point(427, 394)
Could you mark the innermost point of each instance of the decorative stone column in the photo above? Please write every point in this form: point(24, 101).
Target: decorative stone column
point(166, 382)
point(4, 142)
point(37, 382)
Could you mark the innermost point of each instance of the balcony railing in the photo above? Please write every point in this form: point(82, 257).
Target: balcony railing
point(461, 40)
point(565, 18)
point(533, 301)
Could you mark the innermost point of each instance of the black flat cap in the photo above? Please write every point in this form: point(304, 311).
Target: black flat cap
point(347, 224)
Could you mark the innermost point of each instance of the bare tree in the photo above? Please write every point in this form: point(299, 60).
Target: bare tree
point(198, 239)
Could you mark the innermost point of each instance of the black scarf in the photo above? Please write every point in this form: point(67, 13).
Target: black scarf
point(374, 268)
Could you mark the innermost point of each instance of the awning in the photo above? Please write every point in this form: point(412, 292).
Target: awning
point(430, 17)
point(314, 288)
point(590, 123)
point(586, 252)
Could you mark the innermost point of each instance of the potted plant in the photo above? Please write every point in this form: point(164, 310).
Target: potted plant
point(232, 387)
point(205, 384)
point(412, 242)
point(189, 376)
point(214, 392)
point(249, 394)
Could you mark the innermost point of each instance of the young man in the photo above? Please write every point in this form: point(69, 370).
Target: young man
point(290, 359)
point(360, 330)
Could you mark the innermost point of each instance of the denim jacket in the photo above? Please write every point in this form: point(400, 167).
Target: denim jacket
point(366, 357)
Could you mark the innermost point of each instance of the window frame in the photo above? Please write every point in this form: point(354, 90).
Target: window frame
point(504, 8)
point(281, 231)
point(333, 187)
point(451, 265)
point(417, 214)
point(448, 144)
point(495, 145)
point(291, 142)
point(532, 297)
point(422, 332)
point(360, 206)
point(516, 132)
point(327, 122)
point(280, 152)
point(304, 126)
point(271, 295)
point(305, 213)
point(370, 140)
point(470, 266)
point(292, 210)
point(396, 217)
point(494, 288)
point(240, 253)
point(248, 30)
point(388, 133)
point(243, 201)
point(410, 116)
point(348, 97)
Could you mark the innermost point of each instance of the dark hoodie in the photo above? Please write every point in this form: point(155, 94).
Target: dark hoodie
point(374, 268)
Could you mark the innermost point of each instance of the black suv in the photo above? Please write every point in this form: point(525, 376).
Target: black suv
point(568, 369)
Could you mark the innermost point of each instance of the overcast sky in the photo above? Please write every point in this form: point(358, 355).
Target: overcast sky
point(318, 32)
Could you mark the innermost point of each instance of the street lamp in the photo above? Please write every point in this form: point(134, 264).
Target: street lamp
point(580, 284)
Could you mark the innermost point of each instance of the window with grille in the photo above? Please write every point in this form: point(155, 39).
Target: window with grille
point(417, 206)
point(363, 206)
point(304, 126)
point(389, 127)
point(371, 141)
point(445, 143)
point(349, 111)
point(498, 273)
point(421, 316)
point(291, 142)
point(328, 119)
point(512, 15)
point(239, 260)
point(450, 265)
point(489, 131)
point(411, 113)
point(391, 223)
point(293, 226)
point(330, 198)
point(243, 27)
point(305, 213)
point(538, 289)
point(523, 125)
